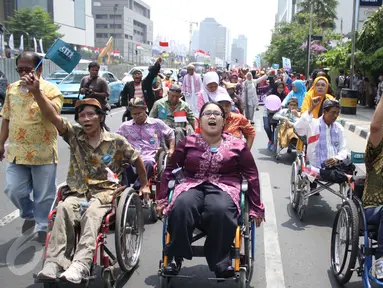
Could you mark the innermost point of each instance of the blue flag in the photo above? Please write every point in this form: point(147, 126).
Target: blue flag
point(63, 55)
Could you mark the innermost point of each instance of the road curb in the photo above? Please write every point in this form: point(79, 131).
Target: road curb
point(358, 130)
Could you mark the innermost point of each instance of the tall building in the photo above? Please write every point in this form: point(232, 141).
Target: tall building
point(237, 55)
point(208, 36)
point(74, 17)
point(222, 42)
point(195, 40)
point(128, 21)
point(240, 42)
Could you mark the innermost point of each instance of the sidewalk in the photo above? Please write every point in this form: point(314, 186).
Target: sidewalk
point(359, 123)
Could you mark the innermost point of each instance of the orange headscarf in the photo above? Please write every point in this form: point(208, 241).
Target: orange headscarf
point(312, 94)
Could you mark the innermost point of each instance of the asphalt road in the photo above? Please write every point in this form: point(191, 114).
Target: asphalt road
point(289, 253)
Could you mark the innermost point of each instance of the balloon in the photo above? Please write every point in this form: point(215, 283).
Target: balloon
point(273, 103)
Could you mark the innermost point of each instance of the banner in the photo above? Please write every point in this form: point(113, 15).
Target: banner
point(258, 61)
point(35, 44)
point(63, 55)
point(370, 3)
point(286, 63)
point(21, 48)
point(275, 66)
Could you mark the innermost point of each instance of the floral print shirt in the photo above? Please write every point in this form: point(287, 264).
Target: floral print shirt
point(32, 138)
point(87, 172)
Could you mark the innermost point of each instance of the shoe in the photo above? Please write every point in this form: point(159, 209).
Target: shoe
point(379, 269)
point(273, 148)
point(173, 267)
point(50, 271)
point(269, 145)
point(289, 150)
point(28, 225)
point(75, 273)
point(228, 273)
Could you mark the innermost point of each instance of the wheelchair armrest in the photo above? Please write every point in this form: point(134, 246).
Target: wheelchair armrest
point(171, 184)
point(244, 186)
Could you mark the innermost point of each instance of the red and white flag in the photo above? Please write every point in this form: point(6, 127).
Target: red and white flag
point(179, 116)
point(164, 44)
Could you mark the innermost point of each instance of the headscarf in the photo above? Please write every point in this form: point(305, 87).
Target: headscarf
point(211, 77)
point(300, 94)
point(274, 90)
point(317, 112)
point(249, 83)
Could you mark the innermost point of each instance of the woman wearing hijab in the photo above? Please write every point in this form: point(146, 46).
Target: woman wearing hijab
point(249, 95)
point(210, 89)
point(278, 89)
point(299, 92)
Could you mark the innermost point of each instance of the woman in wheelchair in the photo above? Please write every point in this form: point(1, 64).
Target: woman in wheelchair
point(212, 166)
point(288, 116)
point(373, 193)
point(96, 155)
point(145, 134)
point(326, 144)
point(235, 123)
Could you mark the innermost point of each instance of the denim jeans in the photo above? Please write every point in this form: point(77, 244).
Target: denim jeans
point(267, 127)
point(374, 216)
point(21, 180)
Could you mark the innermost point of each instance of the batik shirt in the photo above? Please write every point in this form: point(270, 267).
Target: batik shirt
point(32, 138)
point(87, 168)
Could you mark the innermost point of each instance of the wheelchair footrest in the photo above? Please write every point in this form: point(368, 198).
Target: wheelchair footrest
point(58, 280)
point(198, 251)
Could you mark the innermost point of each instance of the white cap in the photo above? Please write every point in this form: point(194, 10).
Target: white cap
point(223, 96)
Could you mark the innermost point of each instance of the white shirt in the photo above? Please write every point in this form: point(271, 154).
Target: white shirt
point(309, 127)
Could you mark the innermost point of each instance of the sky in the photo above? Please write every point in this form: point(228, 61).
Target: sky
point(252, 18)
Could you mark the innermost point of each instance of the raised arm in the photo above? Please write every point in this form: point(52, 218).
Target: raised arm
point(47, 107)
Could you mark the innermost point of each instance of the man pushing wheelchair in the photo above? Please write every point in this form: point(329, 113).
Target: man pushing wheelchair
point(97, 159)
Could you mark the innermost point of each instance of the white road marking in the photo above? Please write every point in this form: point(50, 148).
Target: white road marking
point(273, 260)
point(15, 214)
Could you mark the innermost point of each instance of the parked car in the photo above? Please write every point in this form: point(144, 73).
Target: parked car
point(3, 88)
point(70, 88)
point(57, 76)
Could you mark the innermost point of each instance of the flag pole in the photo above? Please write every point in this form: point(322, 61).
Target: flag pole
point(42, 59)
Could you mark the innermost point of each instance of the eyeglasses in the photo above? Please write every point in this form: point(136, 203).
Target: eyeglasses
point(209, 113)
point(24, 69)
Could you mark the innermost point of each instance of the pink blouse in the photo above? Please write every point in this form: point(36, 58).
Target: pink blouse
point(225, 169)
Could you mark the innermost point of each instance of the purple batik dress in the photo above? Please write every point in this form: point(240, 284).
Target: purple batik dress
point(225, 169)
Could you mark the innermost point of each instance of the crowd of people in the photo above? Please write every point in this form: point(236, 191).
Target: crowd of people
point(206, 127)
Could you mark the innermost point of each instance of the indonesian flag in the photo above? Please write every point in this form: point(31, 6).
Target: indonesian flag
point(180, 116)
point(139, 47)
point(164, 44)
point(199, 52)
point(112, 177)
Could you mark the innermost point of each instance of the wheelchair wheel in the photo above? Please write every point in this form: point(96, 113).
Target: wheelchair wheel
point(129, 230)
point(164, 282)
point(249, 261)
point(302, 202)
point(294, 197)
point(161, 165)
point(242, 279)
point(108, 279)
point(345, 232)
point(153, 212)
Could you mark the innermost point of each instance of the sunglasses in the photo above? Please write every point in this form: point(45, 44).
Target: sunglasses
point(24, 69)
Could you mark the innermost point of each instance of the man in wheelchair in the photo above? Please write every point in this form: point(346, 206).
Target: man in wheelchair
point(175, 112)
point(146, 135)
point(326, 144)
point(287, 118)
point(97, 158)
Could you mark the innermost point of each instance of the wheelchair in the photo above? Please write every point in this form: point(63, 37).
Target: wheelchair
point(125, 221)
point(300, 182)
point(349, 225)
point(277, 143)
point(243, 249)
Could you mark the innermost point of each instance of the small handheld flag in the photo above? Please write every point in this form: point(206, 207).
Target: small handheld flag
point(63, 55)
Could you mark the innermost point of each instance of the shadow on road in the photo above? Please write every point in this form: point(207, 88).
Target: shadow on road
point(200, 274)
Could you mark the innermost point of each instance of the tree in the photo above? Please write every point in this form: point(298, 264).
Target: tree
point(36, 23)
point(324, 10)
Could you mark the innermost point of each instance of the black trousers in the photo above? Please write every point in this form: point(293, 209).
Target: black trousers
point(211, 209)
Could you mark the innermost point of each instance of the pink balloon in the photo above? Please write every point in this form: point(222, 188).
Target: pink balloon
point(273, 103)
